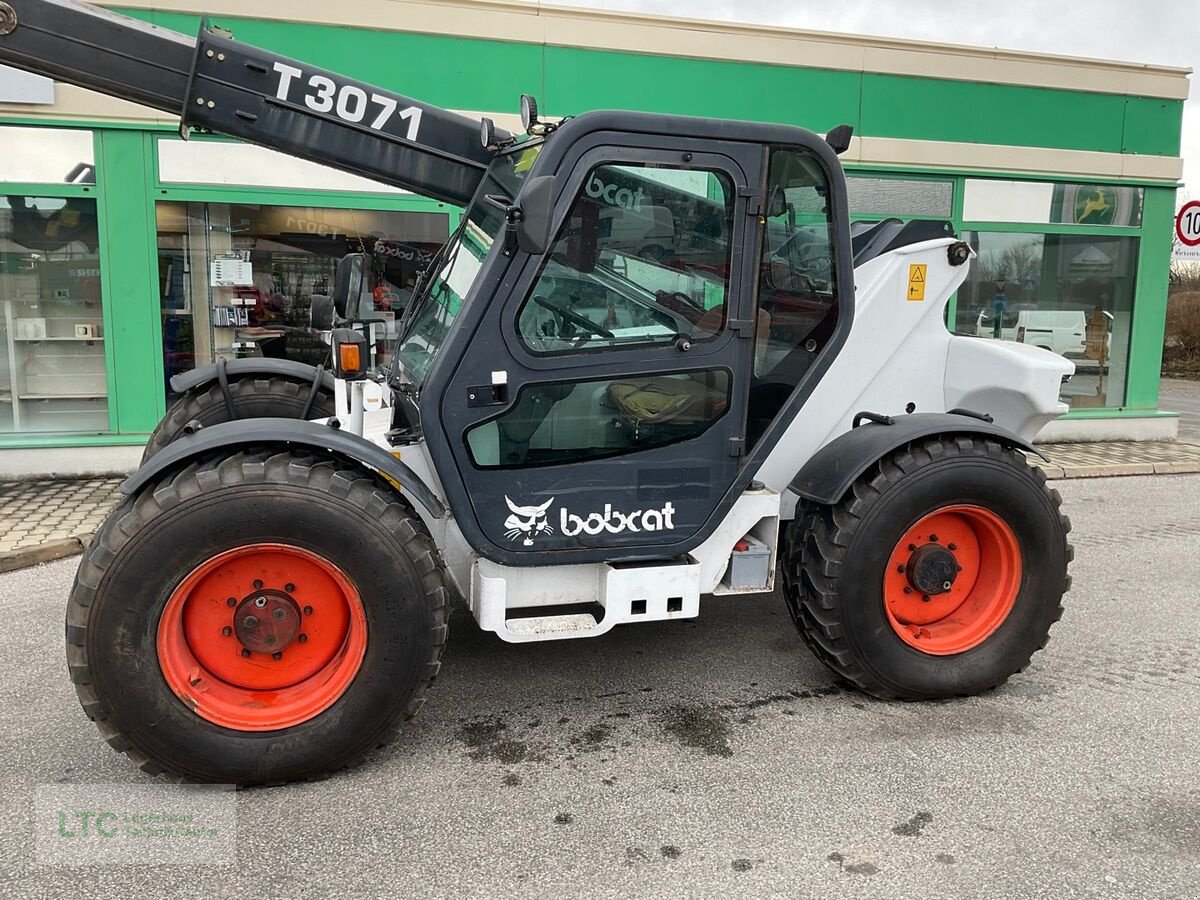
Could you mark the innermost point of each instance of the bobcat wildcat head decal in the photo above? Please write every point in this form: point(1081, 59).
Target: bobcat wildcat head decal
point(527, 522)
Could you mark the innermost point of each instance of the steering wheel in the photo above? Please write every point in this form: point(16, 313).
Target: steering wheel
point(569, 315)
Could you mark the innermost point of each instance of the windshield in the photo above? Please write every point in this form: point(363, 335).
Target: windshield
point(458, 264)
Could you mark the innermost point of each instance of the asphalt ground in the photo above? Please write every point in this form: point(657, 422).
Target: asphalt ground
point(712, 758)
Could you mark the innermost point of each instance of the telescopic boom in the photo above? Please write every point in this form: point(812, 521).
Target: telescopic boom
point(226, 86)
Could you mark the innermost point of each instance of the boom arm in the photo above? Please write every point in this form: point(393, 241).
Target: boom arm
point(233, 88)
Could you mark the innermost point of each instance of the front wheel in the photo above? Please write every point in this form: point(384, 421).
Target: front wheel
point(256, 618)
point(938, 575)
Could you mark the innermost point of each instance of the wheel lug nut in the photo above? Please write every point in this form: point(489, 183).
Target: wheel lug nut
point(232, 601)
point(924, 598)
point(912, 547)
point(260, 602)
point(289, 587)
point(308, 610)
point(245, 652)
point(276, 656)
point(279, 613)
point(250, 622)
point(933, 538)
point(303, 638)
point(908, 590)
point(952, 546)
point(900, 569)
point(946, 585)
point(227, 631)
point(257, 584)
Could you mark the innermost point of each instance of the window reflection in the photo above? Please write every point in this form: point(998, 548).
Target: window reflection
point(904, 197)
point(1050, 203)
point(1070, 294)
point(48, 155)
point(52, 364)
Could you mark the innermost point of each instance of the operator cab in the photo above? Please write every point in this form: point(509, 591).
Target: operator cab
point(637, 357)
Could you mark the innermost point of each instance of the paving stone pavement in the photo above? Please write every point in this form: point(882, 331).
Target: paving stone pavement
point(45, 520)
point(1119, 458)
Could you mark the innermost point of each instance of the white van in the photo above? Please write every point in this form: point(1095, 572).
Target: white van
point(1061, 331)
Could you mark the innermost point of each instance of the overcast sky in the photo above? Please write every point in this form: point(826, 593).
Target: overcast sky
point(1163, 32)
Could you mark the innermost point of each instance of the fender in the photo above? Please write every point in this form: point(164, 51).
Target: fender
point(827, 476)
point(238, 368)
point(289, 433)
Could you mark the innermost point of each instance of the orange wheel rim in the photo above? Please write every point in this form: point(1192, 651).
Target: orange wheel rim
point(952, 579)
point(262, 637)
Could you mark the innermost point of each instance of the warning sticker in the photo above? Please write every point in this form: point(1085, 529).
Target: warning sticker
point(916, 281)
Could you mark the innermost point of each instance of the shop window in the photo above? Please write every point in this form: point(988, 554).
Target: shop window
point(52, 370)
point(1051, 203)
point(240, 280)
point(228, 163)
point(901, 197)
point(1071, 294)
point(578, 421)
point(48, 155)
point(642, 258)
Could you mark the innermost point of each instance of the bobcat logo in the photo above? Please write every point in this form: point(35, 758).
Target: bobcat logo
point(527, 521)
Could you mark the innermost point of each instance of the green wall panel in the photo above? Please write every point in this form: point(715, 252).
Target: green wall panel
point(489, 75)
point(816, 99)
point(1150, 303)
point(1153, 126)
point(454, 72)
point(927, 109)
point(124, 164)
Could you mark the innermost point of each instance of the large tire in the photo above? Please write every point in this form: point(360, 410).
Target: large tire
point(853, 571)
point(252, 396)
point(154, 662)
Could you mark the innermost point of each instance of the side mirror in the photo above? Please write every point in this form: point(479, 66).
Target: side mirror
point(348, 283)
point(536, 203)
point(839, 138)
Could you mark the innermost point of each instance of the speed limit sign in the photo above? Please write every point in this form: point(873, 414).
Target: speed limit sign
point(1187, 224)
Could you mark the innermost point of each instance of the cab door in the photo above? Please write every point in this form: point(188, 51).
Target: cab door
point(599, 410)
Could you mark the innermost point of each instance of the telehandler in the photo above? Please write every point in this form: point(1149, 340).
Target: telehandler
point(656, 361)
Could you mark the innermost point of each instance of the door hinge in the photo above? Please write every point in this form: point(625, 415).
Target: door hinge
point(737, 446)
point(753, 199)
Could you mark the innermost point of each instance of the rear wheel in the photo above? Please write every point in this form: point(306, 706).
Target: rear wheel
point(938, 575)
point(250, 396)
point(256, 618)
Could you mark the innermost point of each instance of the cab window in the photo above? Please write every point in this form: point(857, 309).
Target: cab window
point(797, 287)
point(642, 258)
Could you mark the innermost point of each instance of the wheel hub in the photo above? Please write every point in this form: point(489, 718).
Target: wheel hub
point(266, 621)
point(282, 654)
point(931, 569)
point(952, 579)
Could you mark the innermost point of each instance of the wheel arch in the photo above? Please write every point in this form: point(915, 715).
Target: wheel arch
point(828, 474)
point(287, 433)
point(240, 368)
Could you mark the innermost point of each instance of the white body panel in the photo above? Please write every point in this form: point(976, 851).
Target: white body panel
point(899, 352)
point(898, 357)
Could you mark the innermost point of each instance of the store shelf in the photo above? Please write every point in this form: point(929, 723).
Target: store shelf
point(26, 340)
point(88, 396)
